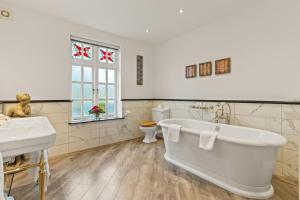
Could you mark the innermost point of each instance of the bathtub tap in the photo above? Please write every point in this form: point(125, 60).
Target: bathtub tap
point(202, 106)
point(220, 114)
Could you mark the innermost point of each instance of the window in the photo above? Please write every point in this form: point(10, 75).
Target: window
point(95, 70)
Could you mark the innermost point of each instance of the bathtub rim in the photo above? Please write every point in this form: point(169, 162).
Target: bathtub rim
point(276, 143)
point(254, 195)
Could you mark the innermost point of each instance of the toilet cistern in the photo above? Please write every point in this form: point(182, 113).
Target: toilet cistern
point(151, 128)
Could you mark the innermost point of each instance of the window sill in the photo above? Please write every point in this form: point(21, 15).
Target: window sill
point(73, 122)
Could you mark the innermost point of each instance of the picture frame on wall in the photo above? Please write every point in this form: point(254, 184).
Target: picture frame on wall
point(205, 69)
point(223, 66)
point(139, 70)
point(191, 71)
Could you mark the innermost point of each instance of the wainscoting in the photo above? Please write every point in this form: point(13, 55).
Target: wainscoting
point(76, 137)
point(280, 118)
point(283, 119)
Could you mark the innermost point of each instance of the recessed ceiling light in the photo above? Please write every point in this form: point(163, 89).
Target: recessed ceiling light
point(180, 11)
point(147, 30)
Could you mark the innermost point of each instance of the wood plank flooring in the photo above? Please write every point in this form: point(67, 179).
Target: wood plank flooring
point(129, 171)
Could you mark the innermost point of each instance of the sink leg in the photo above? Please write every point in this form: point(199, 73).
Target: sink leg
point(42, 173)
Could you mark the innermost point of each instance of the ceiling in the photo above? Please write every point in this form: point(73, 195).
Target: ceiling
point(131, 18)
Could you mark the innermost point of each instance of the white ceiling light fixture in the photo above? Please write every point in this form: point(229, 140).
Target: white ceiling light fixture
point(180, 11)
point(147, 31)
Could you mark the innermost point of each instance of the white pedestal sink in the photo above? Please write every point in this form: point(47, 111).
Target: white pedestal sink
point(26, 135)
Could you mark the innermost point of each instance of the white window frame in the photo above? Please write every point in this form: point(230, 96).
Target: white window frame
point(96, 65)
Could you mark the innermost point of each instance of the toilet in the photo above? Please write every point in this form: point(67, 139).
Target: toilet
point(151, 128)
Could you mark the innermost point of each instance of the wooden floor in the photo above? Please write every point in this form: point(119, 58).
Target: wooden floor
point(129, 170)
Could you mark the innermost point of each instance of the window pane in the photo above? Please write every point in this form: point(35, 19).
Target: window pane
point(80, 50)
point(111, 76)
point(87, 91)
point(102, 91)
point(77, 50)
point(76, 108)
point(87, 52)
point(76, 91)
point(76, 73)
point(111, 107)
point(111, 91)
point(87, 74)
point(87, 105)
point(102, 75)
point(106, 55)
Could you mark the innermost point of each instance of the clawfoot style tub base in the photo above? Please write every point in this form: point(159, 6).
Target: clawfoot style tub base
point(227, 186)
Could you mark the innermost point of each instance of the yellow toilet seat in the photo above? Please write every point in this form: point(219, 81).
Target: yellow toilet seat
point(148, 124)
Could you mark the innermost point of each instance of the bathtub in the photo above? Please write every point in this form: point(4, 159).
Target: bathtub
point(242, 160)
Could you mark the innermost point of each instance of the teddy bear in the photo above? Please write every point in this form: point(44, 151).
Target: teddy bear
point(22, 109)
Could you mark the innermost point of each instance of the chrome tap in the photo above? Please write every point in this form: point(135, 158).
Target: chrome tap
point(202, 106)
point(220, 114)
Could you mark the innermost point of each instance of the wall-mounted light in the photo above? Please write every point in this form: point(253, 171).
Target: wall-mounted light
point(147, 30)
point(180, 11)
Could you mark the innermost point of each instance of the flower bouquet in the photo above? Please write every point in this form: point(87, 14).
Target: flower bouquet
point(97, 110)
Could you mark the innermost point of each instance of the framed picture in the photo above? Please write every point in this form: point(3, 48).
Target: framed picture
point(191, 71)
point(223, 66)
point(139, 70)
point(205, 69)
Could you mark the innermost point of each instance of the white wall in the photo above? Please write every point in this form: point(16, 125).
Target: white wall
point(263, 43)
point(35, 56)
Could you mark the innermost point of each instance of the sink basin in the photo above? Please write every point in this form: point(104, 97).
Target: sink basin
point(26, 135)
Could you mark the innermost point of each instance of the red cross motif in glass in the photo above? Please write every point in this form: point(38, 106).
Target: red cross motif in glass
point(81, 51)
point(106, 55)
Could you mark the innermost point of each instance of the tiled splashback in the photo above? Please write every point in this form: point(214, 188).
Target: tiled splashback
point(77, 137)
point(281, 119)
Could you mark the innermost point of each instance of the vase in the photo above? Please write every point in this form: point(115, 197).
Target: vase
point(97, 116)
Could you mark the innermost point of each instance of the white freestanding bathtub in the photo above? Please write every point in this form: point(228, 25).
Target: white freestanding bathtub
point(242, 160)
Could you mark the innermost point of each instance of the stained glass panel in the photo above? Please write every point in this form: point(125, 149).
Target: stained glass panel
point(76, 50)
point(106, 55)
point(87, 52)
point(82, 51)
